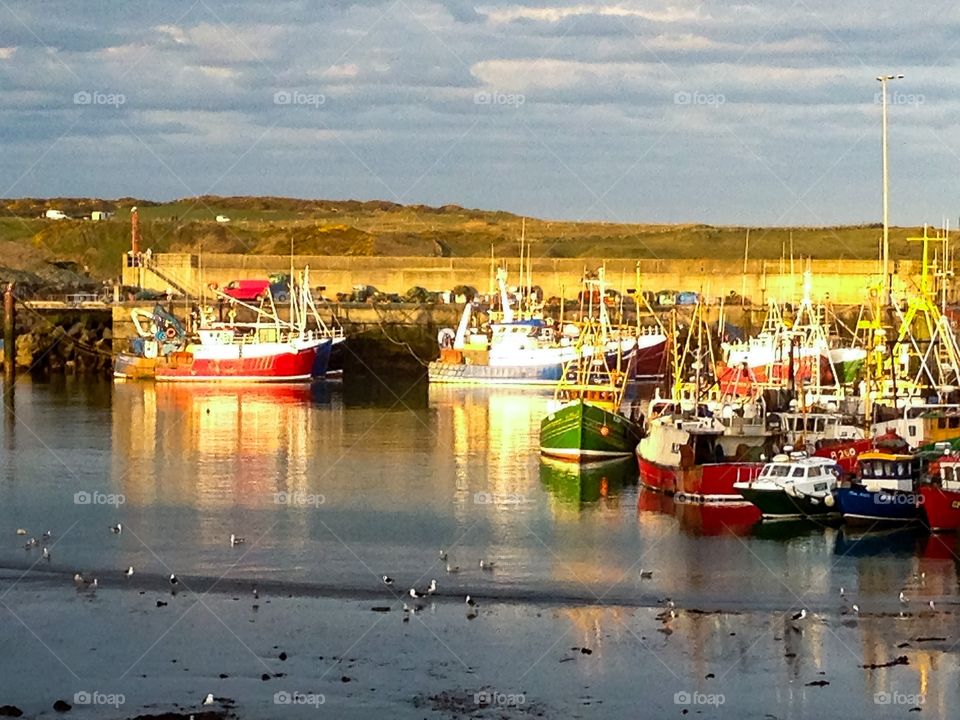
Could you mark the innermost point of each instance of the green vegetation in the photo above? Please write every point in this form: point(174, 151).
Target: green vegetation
point(324, 227)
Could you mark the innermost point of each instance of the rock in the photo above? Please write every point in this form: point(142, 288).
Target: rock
point(283, 656)
point(62, 706)
point(10, 711)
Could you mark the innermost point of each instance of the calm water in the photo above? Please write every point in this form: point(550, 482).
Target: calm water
point(335, 485)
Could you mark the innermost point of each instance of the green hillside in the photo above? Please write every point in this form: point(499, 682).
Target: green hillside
point(266, 225)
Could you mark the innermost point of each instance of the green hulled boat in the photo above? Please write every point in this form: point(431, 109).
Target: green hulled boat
point(585, 422)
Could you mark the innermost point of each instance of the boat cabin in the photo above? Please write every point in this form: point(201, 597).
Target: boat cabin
point(813, 426)
point(950, 474)
point(808, 474)
point(888, 471)
point(923, 424)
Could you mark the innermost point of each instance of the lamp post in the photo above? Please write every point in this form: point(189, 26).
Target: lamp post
point(884, 79)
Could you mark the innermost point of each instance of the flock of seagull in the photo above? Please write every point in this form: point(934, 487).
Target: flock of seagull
point(473, 607)
point(91, 583)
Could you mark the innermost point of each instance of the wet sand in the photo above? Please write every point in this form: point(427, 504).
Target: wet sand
point(357, 658)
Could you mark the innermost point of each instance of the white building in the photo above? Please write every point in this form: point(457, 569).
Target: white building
point(100, 215)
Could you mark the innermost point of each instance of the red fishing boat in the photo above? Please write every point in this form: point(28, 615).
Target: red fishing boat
point(941, 496)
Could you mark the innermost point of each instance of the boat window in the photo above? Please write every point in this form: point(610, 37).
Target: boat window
point(941, 423)
point(814, 471)
point(912, 431)
point(902, 469)
point(954, 422)
point(797, 472)
point(779, 470)
point(820, 487)
point(821, 424)
point(888, 469)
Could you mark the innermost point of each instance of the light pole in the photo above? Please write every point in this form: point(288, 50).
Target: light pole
point(886, 192)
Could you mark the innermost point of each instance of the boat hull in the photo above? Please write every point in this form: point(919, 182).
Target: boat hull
point(292, 366)
point(860, 506)
point(581, 432)
point(942, 508)
point(711, 482)
point(778, 505)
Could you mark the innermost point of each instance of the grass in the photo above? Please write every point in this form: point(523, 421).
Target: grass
point(324, 227)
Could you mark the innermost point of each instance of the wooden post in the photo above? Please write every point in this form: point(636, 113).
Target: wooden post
point(9, 330)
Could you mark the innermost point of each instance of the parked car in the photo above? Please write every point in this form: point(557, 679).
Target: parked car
point(247, 290)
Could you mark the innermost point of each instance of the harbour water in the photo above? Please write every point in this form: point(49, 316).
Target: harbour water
point(333, 486)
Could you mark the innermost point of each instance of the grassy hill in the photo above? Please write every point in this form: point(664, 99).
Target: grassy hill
point(268, 225)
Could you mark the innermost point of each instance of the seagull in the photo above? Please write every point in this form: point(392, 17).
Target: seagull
point(234, 540)
point(81, 581)
point(488, 566)
point(173, 579)
point(21, 531)
point(433, 587)
point(443, 555)
point(932, 606)
point(46, 554)
point(387, 580)
point(30, 543)
point(256, 593)
point(415, 594)
point(800, 615)
point(856, 609)
point(471, 602)
point(46, 535)
point(646, 574)
point(208, 700)
point(116, 529)
point(842, 593)
point(903, 598)
point(453, 570)
point(129, 571)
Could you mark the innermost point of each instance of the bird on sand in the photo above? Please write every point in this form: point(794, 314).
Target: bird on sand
point(208, 700)
point(433, 587)
point(116, 529)
point(129, 571)
point(443, 555)
point(471, 602)
point(387, 580)
point(81, 581)
point(46, 554)
point(856, 609)
point(488, 566)
point(234, 540)
point(903, 598)
point(932, 606)
point(453, 569)
point(173, 580)
point(800, 615)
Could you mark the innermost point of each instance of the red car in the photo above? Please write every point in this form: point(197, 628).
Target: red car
point(247, 290)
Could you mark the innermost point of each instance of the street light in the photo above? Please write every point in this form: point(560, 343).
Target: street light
point(886, 192)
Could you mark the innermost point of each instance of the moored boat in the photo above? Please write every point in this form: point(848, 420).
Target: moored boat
point(585, 422)
point(884, 491)
point(794, 486)
point(941, 495)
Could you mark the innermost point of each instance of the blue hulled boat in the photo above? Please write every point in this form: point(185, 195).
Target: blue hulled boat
point(884, 491)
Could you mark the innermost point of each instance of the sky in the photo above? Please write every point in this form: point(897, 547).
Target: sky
point(759, 113)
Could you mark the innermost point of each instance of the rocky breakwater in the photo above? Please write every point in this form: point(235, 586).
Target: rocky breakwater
point(70, 342)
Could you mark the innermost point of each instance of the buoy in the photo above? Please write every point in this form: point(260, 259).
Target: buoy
point(829, 501)
point(604, 431)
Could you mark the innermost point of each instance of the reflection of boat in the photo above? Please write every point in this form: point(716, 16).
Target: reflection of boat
point(892, 541)
point(787, 530)
point(939, 547)
point(716, 518)
point(576, 484)
point(794, 486)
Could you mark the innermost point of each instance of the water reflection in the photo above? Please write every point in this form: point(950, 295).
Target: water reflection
point(578, 486)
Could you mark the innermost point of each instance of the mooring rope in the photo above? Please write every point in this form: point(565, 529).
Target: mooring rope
point(400, 343)
point(65, 337)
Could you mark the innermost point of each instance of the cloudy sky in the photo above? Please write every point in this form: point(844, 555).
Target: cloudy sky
point(664, 110)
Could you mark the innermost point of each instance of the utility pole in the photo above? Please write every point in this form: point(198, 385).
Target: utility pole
point(885, 259)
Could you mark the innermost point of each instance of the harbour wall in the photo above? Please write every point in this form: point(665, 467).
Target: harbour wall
point(843, 282)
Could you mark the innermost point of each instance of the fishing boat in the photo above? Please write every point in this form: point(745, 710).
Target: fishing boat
point(794, 486)
point(267, 349)
point(585, 422)
point(884, 491)
point(521, 347)
point(940, 495)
